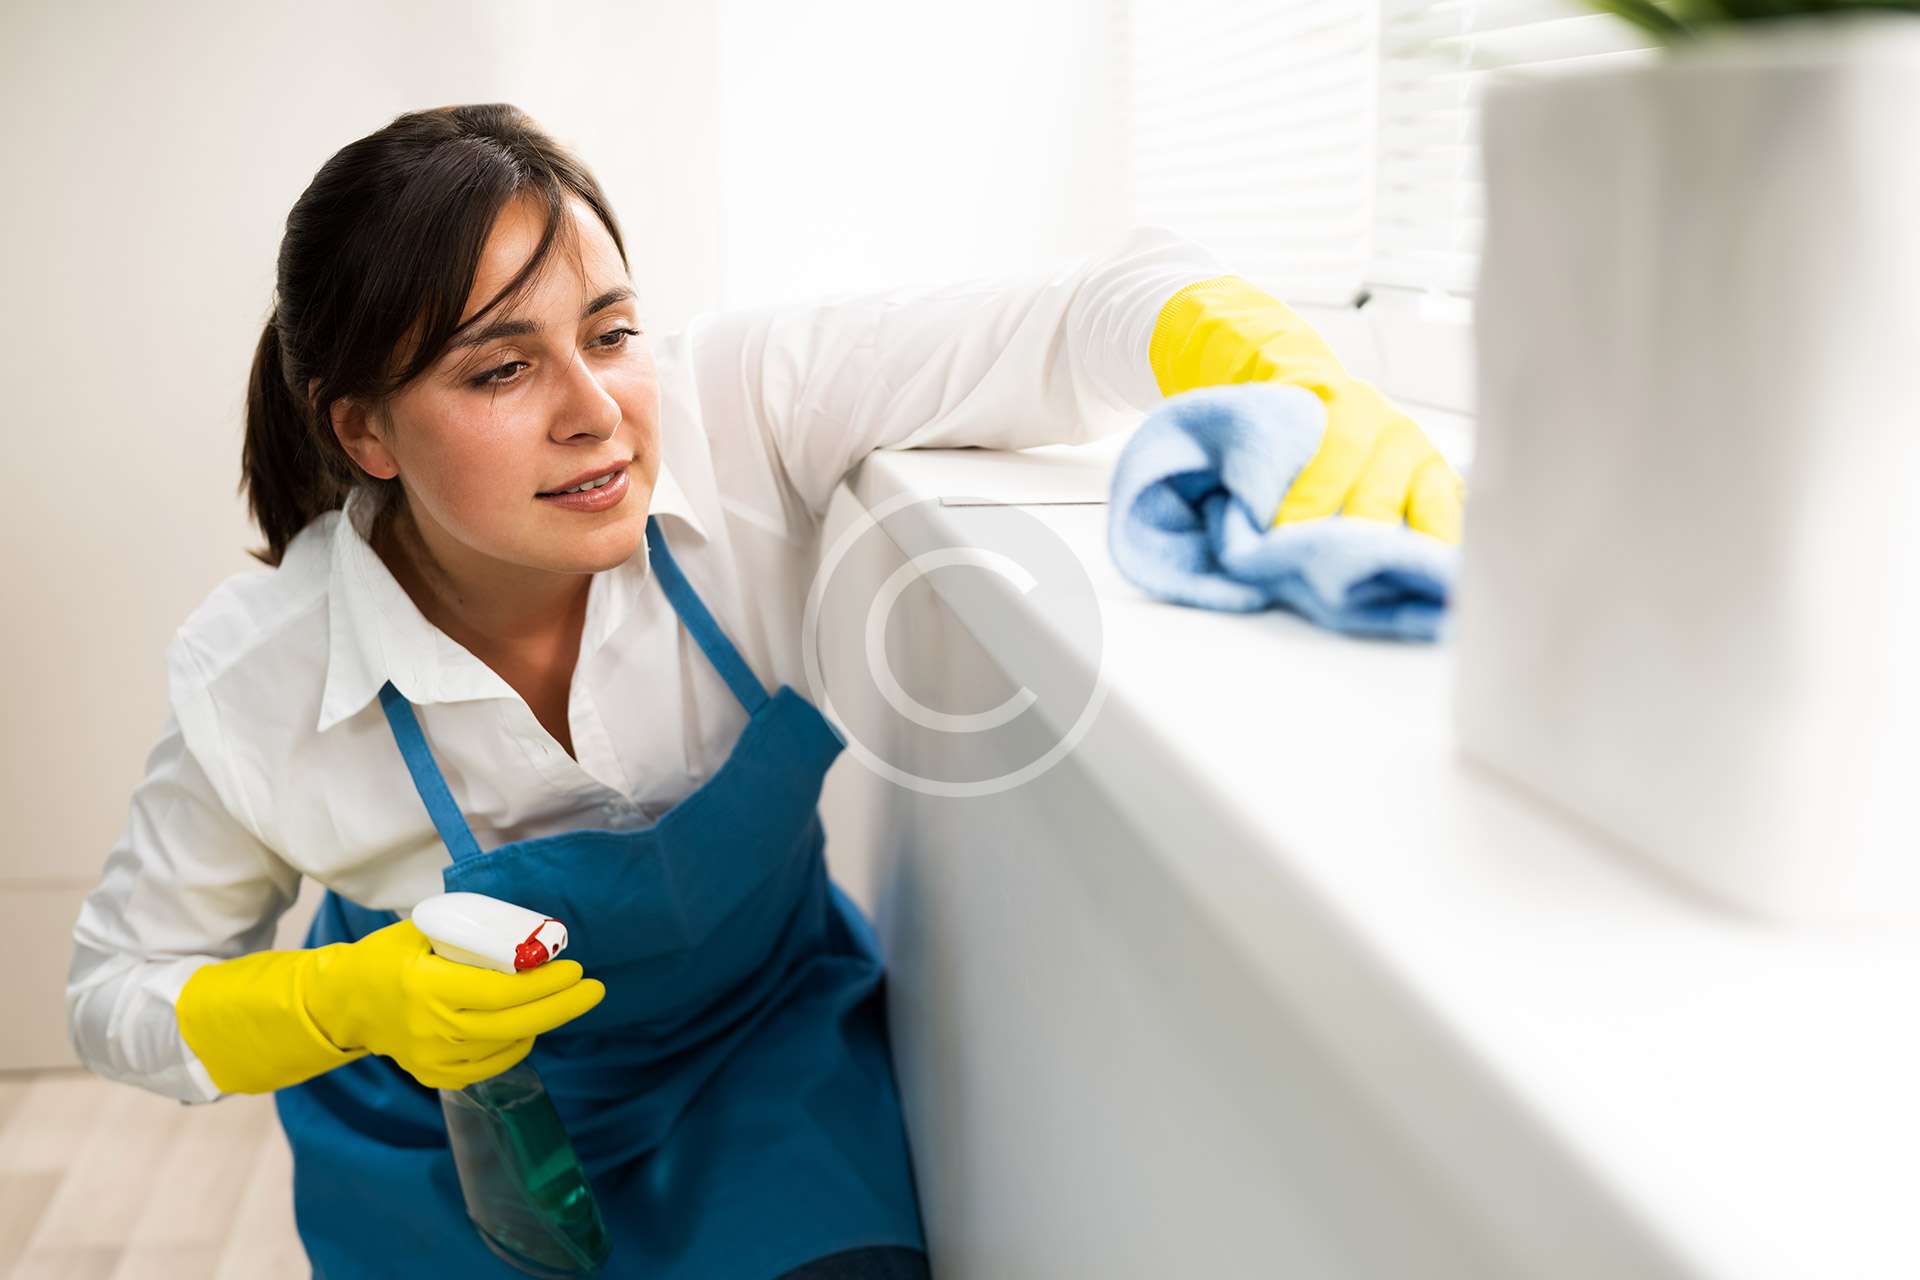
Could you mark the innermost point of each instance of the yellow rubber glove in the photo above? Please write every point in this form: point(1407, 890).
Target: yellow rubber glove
point(270, 1019)
point(1374, 462)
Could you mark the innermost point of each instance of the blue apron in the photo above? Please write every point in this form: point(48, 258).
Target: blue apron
point(732, 1096)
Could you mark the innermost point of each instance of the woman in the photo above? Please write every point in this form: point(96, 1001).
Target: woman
point(464, 674)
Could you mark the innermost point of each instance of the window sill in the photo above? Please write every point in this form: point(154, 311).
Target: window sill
point(1599, 1076)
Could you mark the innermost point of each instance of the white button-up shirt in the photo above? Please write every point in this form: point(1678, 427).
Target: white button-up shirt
point(276, 760)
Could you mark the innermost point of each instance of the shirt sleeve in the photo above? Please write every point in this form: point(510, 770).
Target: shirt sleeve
point(186, 883)
point(1057, 358)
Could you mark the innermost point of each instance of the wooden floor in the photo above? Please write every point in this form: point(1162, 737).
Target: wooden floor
point(103, 1181)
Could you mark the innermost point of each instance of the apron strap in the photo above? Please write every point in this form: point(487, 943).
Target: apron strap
point(706, 632)
point(426, 775)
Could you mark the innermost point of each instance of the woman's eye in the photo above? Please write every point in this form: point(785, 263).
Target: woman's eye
point(623, 334)
point(495, 378)
point(492, 378)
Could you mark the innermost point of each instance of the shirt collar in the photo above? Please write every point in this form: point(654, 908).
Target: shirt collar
point(376, 633)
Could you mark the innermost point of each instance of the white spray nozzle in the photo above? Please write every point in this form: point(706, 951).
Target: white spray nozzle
point(472, 928)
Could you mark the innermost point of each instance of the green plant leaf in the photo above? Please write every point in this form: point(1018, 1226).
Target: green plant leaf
point(1645, 14)
point(1672, 20)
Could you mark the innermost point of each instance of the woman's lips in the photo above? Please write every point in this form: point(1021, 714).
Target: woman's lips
point(607, 495)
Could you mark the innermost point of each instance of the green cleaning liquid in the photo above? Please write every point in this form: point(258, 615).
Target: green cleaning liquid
point(526, 1190)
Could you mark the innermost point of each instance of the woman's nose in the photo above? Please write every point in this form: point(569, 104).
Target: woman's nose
point(587, 405)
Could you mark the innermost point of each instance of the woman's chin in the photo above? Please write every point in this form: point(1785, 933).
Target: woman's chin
point(604, 542)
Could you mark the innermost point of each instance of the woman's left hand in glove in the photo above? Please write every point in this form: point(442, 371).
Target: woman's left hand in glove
point(1373, 462)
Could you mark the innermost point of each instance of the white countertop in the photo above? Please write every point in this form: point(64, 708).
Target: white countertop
point(1594, 1055)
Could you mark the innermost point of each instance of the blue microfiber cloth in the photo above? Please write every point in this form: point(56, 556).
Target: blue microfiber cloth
point(1191, 508)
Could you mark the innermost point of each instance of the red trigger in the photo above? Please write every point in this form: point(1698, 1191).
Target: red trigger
point(533, 953)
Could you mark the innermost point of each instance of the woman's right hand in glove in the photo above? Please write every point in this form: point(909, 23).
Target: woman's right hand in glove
point(270, 1019)
point(447, 1024)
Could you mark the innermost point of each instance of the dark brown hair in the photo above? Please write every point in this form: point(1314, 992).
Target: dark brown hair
point(384, 244)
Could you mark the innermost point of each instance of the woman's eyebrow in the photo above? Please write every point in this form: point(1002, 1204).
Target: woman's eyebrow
point(520, 328)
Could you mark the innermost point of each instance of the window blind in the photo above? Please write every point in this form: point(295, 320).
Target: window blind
point(1328, 146)
point(1252, 128)
point(1435, 59)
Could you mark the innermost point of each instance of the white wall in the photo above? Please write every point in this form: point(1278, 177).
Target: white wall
point(754, 152)
point(867, 144)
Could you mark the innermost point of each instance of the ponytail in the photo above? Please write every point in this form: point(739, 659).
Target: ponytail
point(287, 472)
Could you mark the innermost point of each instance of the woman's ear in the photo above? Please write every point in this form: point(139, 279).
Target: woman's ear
point(355, 428)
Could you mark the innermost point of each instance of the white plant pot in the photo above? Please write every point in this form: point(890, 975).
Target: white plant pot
point(1689, 606)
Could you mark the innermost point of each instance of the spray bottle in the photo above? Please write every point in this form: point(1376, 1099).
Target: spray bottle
point(526, 1191)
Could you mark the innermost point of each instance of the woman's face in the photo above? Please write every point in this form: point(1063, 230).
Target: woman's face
point(520, 404)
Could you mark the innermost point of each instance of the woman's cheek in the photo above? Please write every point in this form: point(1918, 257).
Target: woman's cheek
point(483, 472)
